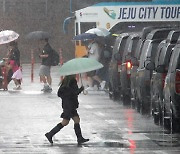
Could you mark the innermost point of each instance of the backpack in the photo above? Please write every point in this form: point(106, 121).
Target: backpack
point(105, 55)
point(55, 58)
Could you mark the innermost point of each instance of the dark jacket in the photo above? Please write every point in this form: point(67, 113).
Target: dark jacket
point(15, 55)
point(47, 50)
point(69, 95)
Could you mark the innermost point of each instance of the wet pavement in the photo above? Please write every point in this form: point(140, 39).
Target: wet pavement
point(26, 115)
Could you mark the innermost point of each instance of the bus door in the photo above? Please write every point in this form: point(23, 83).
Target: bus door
point(82, 27)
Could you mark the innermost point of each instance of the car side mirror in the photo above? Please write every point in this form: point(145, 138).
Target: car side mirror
point(134, 61)
point(160, 69)
point(117, 56)
point(149, 65)
point(128, 57)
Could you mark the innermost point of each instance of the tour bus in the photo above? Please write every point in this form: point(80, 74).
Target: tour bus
point(118, 17)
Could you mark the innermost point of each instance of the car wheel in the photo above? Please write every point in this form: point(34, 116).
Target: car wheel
point(133, 100)
point(144, 108)
point(110, 91)
point(126, 99)
point(137, 105)
point(174, 122)
point(157, 112)
point(113, 94)
point(170, 122)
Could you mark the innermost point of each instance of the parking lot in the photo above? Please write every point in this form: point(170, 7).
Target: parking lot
point(27, 114)
point(144, 70)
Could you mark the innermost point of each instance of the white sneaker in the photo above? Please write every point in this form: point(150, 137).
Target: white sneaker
point(46, 87)
point(17, 88)
point(102, 84)
point(95, 87)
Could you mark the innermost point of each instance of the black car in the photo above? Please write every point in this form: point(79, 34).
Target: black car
point(160, 68)
point(114, 74)
point(143, 78)
point(171, 101)
point(126, 65)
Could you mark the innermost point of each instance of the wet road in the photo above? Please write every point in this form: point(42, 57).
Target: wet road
point(28, 114)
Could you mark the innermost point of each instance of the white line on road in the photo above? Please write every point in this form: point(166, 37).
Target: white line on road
point(137, 137)
point(111, 121)
point(88, 106)
point(100, 114)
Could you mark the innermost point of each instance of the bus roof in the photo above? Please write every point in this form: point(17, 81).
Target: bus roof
point(157, 2)
point(109, 14)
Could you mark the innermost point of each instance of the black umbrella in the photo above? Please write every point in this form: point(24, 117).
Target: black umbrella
point(85, 36)
point(38, 35)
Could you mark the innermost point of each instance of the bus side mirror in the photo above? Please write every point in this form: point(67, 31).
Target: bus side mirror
point(128, 57)
point(134, 61)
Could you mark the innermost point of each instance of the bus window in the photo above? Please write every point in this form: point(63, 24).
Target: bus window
point(76, 29)
point(85, 26)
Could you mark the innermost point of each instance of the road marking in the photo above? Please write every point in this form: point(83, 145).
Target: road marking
point(111, 121)
point(137, 137)
point(26, 92)
point(88, 106)
point(32, 92)
point(100, 114)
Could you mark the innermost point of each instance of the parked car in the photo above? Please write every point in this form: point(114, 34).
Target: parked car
point(125, 67)
point(135, 58)
point(143, 77)
point(114, 74)
point(171, 101)
point(160, 69)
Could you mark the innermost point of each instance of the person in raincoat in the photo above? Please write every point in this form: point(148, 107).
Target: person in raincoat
point(68, 92)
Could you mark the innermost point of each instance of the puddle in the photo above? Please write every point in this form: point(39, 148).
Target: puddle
point(115, 144)
point(167, 143)
point(110, 144)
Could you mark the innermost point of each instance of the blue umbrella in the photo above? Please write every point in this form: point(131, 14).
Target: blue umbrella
point(85, 36)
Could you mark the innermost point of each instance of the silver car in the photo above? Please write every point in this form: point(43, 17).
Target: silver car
point(114, 66)
point(143, 78)
point(159, 73)
point(126, 65)
point(171, 101)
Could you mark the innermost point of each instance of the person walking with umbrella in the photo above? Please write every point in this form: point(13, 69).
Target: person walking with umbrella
point(13, 57)
point(94, 51)
point(68, 92)
point(45, 68)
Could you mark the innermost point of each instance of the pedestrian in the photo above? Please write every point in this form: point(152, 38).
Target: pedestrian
point(14, 53)
point(14, 68)
point(68, 92)
point(94, 51)
point(17, 74)
point(45, 68)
